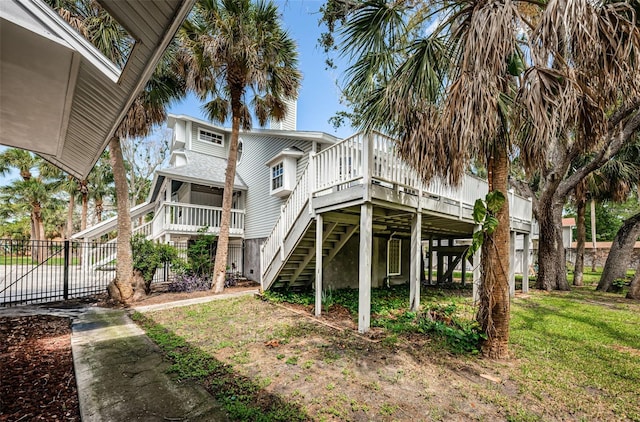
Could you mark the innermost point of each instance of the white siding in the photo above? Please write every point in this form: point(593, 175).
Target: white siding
point(262, 208)
point(208, 147)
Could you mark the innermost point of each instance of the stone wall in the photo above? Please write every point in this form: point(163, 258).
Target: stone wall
point(601, 257)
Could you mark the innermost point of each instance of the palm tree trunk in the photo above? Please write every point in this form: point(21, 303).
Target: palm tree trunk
point(620, 252)
point(72, 205)
point(122, 287)
point(99, 209)
point(85, 204)
point(493, 312)
point(581, 236)
point(222, 250)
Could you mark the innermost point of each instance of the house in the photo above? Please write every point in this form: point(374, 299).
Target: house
point(59, 96)
point(295, 190)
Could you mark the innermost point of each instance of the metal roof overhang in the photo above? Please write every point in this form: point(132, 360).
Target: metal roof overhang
point(59, 96)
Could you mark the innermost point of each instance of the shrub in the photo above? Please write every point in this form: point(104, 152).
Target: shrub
point(200, 254)
point(148, 256)
point(189, 283)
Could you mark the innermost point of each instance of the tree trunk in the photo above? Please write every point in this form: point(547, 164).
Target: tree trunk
point(593, 236)
point(620, 253)
point(85, 204)
point(72, 205)
point(124, 261)
point(493, 312)
point(634, 290)
point(99, 210)
point(222, 249)
point(581, 237)
point(552, 273)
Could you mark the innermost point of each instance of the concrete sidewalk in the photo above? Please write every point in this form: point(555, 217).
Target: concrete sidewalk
point(122, 376)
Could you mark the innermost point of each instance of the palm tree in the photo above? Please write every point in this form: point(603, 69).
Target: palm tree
point(29, 191)
point(100, 184)
point(148, 109)
point(238, 57)
point(457, 79)
point(425, 89)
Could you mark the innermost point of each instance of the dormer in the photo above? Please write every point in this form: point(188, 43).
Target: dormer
point(282, 171)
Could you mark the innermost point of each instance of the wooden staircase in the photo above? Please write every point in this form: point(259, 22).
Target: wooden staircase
point(298, 272)
point(358, 170)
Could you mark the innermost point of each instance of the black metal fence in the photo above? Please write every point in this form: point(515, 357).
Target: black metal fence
point(46, 271)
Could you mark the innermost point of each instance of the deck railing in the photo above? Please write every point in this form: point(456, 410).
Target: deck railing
point(289, 212)
point(190, 218)
point(343, 165)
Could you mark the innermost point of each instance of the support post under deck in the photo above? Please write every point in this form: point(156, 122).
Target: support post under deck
point(512, 264)
point(476, 271)
point(364, 271)
point(525, 264)
point(319, 236)
point(416, 262)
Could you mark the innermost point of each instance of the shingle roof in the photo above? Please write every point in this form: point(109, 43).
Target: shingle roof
point(202, 169)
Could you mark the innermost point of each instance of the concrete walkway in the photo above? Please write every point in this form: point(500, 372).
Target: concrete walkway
point(121, 374)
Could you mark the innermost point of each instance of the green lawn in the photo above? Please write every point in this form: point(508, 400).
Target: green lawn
point(576, 356)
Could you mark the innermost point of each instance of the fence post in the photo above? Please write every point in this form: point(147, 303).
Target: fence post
point(65, 286)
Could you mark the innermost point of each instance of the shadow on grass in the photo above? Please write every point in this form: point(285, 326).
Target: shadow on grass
point(242, 398)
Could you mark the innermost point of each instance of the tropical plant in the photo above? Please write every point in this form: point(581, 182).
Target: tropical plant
point(484, 79)
point(614, 181)
point(238, 58)
point(148, 109)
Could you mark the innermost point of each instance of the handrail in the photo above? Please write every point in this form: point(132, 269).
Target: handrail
point(289, 213)
point(342, 165)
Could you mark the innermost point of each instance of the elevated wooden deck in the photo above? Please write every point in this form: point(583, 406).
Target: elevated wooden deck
point(359, 186)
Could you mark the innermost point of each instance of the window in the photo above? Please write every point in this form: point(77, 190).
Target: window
point(211, 137)
point(393, 257)
point(277, 176)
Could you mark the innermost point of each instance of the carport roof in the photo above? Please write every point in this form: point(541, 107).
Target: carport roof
point(59, 96)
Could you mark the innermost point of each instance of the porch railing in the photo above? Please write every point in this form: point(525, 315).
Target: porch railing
point(343, 165)
point(189, 218)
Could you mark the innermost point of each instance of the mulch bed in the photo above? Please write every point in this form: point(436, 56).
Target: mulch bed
point(37, 382)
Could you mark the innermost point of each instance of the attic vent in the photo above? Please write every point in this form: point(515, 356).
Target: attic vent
point(211, 137)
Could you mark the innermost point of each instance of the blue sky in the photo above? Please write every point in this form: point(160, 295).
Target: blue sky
point(319, 95)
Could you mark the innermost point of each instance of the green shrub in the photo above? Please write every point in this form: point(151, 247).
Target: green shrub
point(200, 254)
point(149, 256)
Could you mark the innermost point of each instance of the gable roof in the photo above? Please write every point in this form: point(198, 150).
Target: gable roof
point(200, 168)
point(60, 97)
point(321, 137)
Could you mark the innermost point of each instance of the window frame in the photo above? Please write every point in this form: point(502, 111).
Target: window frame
point(394, 242)
point(215, 135)
point(273, 177)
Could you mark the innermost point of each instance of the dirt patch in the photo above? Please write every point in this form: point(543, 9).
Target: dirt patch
point(331, 371)
point(37, 381)
point(626, 349)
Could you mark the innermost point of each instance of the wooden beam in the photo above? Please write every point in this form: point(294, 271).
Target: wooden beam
point(305, 261)
point(343, 240)
point(328, 232)
point(512, 264)
point(476, 271)
point(525, 264)
point(364, 270)
point(318, 276)
point(416, 271)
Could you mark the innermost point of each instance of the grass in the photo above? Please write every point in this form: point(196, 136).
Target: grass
point(244, 399)
point(576, 355)
point(579, 350)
